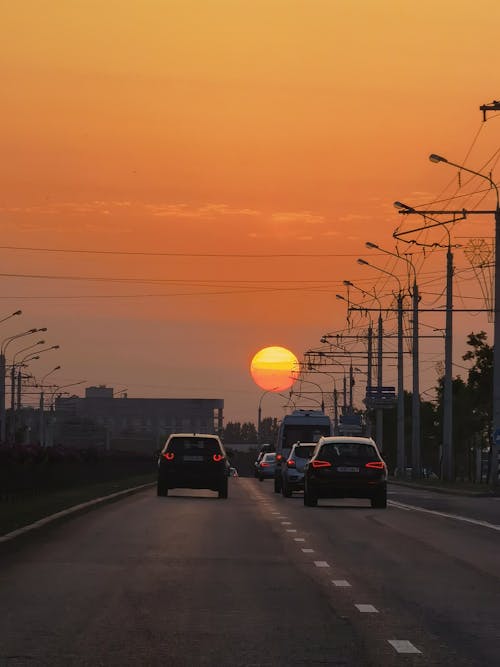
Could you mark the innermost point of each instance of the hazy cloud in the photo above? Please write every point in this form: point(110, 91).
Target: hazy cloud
point(298, 217)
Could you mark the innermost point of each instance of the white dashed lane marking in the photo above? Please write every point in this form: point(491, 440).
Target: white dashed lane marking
point(286, 523)
point(307, 551)
point(403, 646)
point(341, 583)
point(291, 530)
point(321, 563)
point(366, 608)
point(299, 539)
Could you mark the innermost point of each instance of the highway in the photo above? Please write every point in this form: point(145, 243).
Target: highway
point(257, 580)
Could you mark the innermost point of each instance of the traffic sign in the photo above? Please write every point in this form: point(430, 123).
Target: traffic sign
point(496, 437)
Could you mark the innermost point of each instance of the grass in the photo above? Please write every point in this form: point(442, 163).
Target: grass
point(26, 510)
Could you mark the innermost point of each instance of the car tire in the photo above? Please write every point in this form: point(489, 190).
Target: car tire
point(379, 501)
point(310, 500)
point(161, 489)
point(261, 479)
point(277, 485)
point(223, 489)
point(286, 490)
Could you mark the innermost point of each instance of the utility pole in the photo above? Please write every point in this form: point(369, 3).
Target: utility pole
point(369, 378)
point(335, 411)
point(380, 412)
point(400, 458)
point(448, 471)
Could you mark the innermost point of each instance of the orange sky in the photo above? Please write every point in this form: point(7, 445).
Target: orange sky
point(227, 127)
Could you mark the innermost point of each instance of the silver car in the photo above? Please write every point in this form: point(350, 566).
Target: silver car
point(293, 473)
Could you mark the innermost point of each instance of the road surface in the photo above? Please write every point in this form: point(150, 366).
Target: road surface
point(257, 580)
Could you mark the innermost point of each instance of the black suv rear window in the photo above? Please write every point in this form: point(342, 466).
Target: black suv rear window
point(194, 445)
point(348, 450)
point(304, 452)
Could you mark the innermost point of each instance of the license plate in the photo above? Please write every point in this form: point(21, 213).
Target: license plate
point(193, 458)
point(348, 469)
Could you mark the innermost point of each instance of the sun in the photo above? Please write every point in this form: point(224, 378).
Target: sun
point(274, 368)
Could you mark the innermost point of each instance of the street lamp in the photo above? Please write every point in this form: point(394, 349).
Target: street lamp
point(400, 463)
point(494, 468)
point(41, 406)
point(259, 413)
point(415, 422)
point(300, 379)
point(55, 391)
point(3, 349)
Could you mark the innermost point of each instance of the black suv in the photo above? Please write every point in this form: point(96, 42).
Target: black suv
point(193, 461)
point(346, 467)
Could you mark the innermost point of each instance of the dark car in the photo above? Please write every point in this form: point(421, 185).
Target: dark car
point(266, 466)
point(193, 461)
point(293, 474)
point(346, 467)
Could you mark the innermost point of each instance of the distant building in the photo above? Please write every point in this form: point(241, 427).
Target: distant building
point(100, 419)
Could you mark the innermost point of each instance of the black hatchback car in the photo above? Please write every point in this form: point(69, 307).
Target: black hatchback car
point(346, 467)
point(193, 461)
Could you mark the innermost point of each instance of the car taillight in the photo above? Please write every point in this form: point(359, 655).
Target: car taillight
point(378, 465)
point(169, 456)
point(218, 457)
point(321, 464)
point(279, 457)
point(264, 464)
point(290, 463)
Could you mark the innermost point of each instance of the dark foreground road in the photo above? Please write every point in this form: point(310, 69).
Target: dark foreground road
point(256, 580)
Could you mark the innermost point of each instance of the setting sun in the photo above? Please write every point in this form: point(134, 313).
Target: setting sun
point(274, 368)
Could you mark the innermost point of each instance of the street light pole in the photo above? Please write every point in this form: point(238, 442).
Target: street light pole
point(3, 366)
point(495, 446)
point(400, 456)
point(259, 413)
point(42, 408)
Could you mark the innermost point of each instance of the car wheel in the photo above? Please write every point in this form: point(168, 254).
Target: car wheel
point(380, 500)
point(310, 500)
point(161, 489)
point(286, 491)
point(261, 479)
point(277, 485)
point(223, 490)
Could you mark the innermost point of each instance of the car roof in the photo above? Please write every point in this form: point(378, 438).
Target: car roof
point(195, 435)
point(346, 439)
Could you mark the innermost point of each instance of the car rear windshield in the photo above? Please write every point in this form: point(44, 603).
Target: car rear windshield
point(194, 445)
point(269, 457)
point(304, 452)
point(348, 450)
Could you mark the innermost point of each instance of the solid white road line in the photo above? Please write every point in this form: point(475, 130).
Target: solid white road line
point(403, 646)
point(321, 563)
point(366, 608)
point(457, 517)
point(341, 583)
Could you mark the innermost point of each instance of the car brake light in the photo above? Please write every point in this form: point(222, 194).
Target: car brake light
point(169, 456)
point(218, 457)
point(321, 464)
point(290, 463)
point(264, 465)
point(378, 465)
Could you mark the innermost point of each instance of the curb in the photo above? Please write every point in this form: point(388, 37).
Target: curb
point(76, 509)
point(441, 489)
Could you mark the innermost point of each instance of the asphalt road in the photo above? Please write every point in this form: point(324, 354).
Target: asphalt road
point(257, 580)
